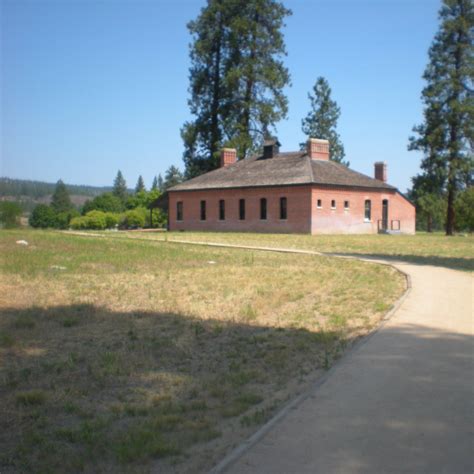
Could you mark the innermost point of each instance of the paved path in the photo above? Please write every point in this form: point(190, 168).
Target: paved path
point(400, 403)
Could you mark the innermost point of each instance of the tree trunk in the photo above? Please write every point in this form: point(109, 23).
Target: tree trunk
point(429, 223)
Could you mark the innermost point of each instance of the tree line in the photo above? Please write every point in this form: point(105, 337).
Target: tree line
point(118, 207)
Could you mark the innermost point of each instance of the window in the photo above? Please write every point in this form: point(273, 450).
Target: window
point(346, 205)
point(222, 210)
point(242, 209)
point(263, 208)
point(283, 208)
point(179, 211)
point(368, 206)
point(333, 204)
point(203, 210)
point(320, 203)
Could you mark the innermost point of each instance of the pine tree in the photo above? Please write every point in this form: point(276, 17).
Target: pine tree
point(154, 184)
point(257, 73)
point(120, 187)
point(140, 186)
point(160, 183)
point(202, 136)
point(447, 135)
point(173, 176)
point(321, 121)
point(236, 79)
point(61, 201)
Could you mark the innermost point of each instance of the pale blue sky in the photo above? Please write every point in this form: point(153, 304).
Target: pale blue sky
point(90, 87)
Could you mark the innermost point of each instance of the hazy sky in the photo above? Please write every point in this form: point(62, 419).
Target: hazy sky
point(90, 87)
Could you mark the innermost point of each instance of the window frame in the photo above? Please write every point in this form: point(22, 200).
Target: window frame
point(368, 207)
point(203, 210)
point(221, 209)
point(179, 211)
point(263, 209)
point(283, 208)
point(346, 205)
point(241, 209)
point(319, 203)
point(333, 204)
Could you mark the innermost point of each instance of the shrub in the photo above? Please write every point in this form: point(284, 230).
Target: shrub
point(106, 202)
point(465, 210)
point(43, 216)
point(111, 220)
point(134, 218)
point(96, 220)
point(10, 213)
point(79, 223)
point(159, 218)
point(63, 219)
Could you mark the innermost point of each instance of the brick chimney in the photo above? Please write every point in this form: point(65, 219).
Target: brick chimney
point(228, 156)
point(318, 149)
point(380, 171)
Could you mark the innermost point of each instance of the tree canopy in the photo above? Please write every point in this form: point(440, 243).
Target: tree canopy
point(321, 121)
point(61, 201)
point(446, 136)
point(237, 79)
point(120, 187)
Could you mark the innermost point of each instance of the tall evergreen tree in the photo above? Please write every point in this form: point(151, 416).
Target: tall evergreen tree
point(154, 184)
point(257, 73)
point(160, 183)
point(236, 79)
point(321, 121)
point(140, 186)
point(447, 135)
point(61, 201)
point(208, 102)
point(120, 187)
point(173, 176)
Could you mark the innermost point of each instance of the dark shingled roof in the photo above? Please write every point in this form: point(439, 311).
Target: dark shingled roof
point(285, 169)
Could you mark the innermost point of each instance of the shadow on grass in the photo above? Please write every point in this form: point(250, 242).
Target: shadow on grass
point(454, 263)
point(86, 388)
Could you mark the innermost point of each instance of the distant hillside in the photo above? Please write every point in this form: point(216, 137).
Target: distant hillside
point(41, 189)
point(30, 193)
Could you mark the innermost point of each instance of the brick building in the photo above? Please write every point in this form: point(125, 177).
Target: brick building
point(300, 191)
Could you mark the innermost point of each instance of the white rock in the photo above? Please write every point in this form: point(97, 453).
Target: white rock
point(22, 242)
point(211, 262)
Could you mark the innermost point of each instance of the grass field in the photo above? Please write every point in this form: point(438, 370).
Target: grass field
point(426, 249)
point(120, 355)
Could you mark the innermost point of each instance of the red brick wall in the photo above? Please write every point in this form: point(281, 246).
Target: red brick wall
point(303, 214)
point(352, 221)
point(298, 209)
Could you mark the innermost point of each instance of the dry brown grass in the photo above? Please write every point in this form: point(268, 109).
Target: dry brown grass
point(148, 355)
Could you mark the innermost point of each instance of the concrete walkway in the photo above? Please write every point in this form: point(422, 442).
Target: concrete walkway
point(402, 402)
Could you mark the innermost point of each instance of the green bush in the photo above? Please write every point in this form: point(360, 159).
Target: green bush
point(464, 209)
point(63, 219)
point(79, 223)
point(159, 218)
point(10, 213)
point(43, 216)
point(96, 220)
point(111, 220)
point(134, 218)
point(106, 202)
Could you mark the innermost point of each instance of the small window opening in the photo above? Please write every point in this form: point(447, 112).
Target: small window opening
point(222, 210)
point(320, 203)
point(179, 211)
point(263, 208)
point(203, 210)
point(368, 210)
point(346, 205)
point(333, 204)
point(283, 208)
point(242, 209)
